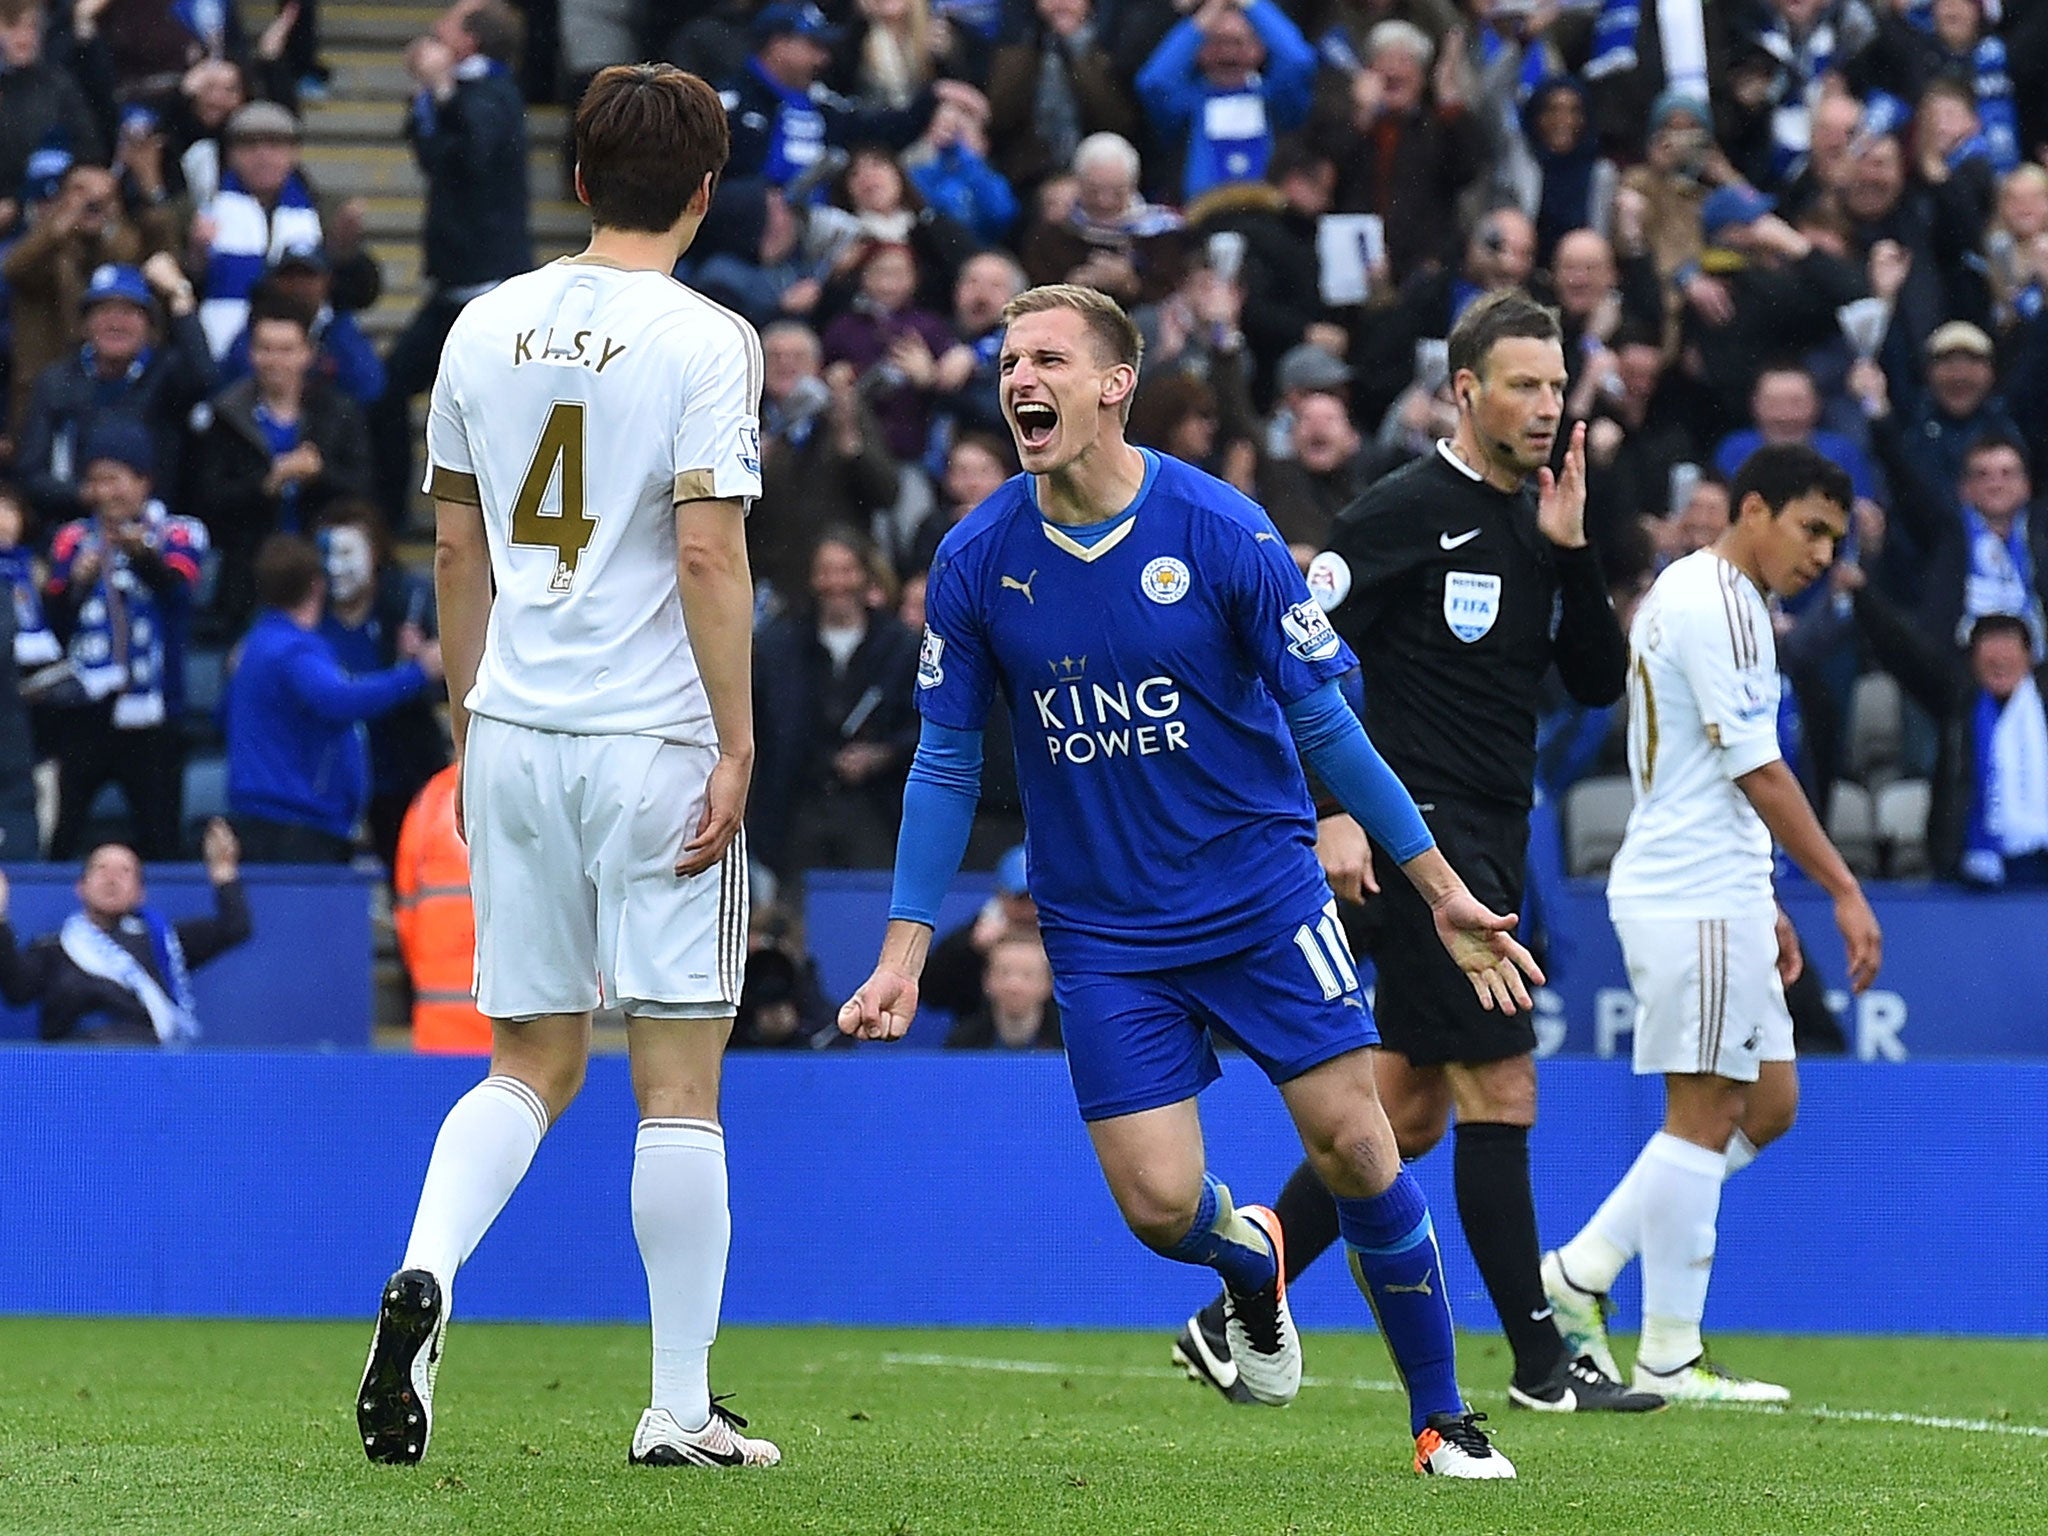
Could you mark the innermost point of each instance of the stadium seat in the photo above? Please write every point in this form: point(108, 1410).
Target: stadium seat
point(1595, 815)
point(205, 675)
point(1876, 729)
point(1902, 810)
point(206, 788)
point(1852, 823)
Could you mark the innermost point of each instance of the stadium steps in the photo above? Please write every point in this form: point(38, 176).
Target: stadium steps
point(355, 148)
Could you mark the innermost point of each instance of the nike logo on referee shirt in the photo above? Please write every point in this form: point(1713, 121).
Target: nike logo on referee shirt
point(1448, 542)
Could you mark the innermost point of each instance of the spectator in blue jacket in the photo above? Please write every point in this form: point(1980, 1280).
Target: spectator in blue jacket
point(949, 167)
point(298, 766)
point(1222, 84)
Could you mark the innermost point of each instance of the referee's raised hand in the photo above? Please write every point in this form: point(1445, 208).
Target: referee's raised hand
point(1561, 498)
point(1480, 941)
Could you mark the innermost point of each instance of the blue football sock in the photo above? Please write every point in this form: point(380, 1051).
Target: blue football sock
point(1394, 1259)
point(1226, 1242)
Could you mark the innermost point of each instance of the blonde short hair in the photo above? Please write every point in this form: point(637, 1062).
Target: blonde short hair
point(1114, 331)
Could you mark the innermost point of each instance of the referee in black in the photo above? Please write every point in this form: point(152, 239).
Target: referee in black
point(1459, 579)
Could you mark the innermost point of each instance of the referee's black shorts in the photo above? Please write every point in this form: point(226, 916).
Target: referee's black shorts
point(1426, 1008)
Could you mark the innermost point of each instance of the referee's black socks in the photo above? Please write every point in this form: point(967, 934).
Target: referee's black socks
point(1499, 1216)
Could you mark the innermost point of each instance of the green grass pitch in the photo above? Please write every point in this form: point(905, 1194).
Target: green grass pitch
point(176, 1427)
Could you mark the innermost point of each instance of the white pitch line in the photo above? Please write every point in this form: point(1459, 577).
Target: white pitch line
point(1818, 1411)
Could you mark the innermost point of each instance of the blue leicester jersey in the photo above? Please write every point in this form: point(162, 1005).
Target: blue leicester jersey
point(1165, 812)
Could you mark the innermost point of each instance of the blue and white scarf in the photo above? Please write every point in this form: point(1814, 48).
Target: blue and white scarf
point(171, 1008)
point(35, 644)
point(247, 239)
point(2000, 579)
point(137, 685)
point(1802, 65)
point(1996, 112)
point(1614, 39)
point(796, 142)
point(2009, 809)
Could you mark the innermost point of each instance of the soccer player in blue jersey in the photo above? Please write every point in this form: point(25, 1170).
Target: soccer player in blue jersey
point(1162, 660)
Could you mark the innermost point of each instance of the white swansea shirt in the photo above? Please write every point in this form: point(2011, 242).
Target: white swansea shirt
point(578, 405)
point(1703, 711)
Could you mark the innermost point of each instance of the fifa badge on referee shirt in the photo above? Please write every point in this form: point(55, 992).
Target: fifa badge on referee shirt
point(1471, 603)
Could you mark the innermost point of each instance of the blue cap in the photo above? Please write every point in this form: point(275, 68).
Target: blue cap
point(798, 16)
point(124, 440)
point(114, 282)
point(1733, 205)
point(138, 119)
point(1010, 874)
point(43, 174)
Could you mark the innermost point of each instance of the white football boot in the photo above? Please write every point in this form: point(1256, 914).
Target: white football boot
point(1260, 1329)
point(661, 1442)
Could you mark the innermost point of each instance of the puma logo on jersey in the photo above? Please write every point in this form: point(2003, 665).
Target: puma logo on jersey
point(1012, 584)
point(1419, 1288)
point(1446, 541)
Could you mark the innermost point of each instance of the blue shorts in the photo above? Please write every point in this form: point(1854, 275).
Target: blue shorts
point(1142, 1040)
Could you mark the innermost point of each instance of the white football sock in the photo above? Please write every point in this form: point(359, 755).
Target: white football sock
point(1606, 1243)
point(1612, 1237)
point(1681, 1202)
point(484, 1149)
point(684, 1227)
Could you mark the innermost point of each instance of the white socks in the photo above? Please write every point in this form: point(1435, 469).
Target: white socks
point(1606, 1243)
point(484, 1149)
point(684, 1227)
point(1681, 1201)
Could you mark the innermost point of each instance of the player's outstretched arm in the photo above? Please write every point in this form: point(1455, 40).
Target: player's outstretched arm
point(462, 598)
point(1479, 939)
point(1779, 800)
point(718, 611)
point(938, 814)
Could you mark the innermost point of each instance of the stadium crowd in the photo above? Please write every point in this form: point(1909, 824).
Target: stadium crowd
point(1763, 221)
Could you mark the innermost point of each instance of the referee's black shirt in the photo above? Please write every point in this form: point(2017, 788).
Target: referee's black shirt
point(1457, 604)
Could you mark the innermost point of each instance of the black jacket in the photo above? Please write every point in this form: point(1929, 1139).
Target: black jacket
point(475, 163)
point(1779, 312)
point(234, 457)
point(43, 973)
point(66, 403)
point(1937, 677)
point(805, 712)
point(1454, 711)
point(40, 102)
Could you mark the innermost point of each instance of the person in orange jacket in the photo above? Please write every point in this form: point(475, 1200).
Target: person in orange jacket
point(436, 925)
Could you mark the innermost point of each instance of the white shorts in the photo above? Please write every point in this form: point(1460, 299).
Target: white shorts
point(1708, 998)
point(573, 842)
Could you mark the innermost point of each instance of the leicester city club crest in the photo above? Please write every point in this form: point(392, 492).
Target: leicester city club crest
point(1165, 580)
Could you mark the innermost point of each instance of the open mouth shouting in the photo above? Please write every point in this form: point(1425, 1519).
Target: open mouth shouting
point(1036, 423)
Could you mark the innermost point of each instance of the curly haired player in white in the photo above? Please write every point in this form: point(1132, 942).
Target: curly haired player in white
point(1690, 894)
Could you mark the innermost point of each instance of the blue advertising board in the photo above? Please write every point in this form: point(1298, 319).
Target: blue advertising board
point(888, 1186)
point(303, 978)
